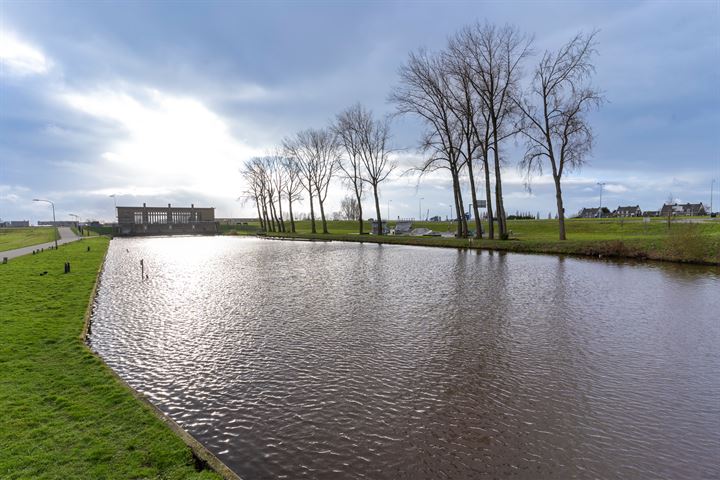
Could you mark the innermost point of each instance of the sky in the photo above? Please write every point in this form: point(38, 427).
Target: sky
point(161, 102)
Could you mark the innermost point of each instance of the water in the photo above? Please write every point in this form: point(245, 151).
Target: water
point(342, 360)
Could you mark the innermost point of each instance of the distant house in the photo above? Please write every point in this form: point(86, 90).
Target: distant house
point(651, 213)
point(687, 209)
point(594, 213)
point(631, 211)
point(15, 223)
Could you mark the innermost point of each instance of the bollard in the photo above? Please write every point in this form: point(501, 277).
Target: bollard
point(5, 259)
point(88, 249)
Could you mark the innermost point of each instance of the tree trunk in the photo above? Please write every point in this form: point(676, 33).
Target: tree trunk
point(322, 213)
point(478, 225)
point(488, 198)
point(312, 212)
point(282, 221)
point(257, 205)
point(377, 209)
point(292, 219)
point(500, 208)
point(360, 215)
point(561, 209)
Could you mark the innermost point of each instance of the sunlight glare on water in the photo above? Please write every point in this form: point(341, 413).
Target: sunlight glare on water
point(344, 360)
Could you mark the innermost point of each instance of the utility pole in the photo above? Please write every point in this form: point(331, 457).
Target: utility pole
point(53, 210)
point(602, 184)
point(420, 209)
point(712, 184)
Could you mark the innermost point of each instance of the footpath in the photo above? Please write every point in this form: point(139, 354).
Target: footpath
point(66, 236)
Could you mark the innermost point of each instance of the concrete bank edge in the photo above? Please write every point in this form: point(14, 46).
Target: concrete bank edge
point(199, 451)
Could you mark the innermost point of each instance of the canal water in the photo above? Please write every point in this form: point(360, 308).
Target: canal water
point(343, 360)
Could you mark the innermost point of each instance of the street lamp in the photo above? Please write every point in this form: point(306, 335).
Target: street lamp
point(388, 212)
point(602, 184)
point(712, 184)
point(53, 210)
point(420, 209)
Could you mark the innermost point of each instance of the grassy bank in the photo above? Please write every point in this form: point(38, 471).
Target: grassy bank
point(64, 414)
point(629, 238)
point(12, 238)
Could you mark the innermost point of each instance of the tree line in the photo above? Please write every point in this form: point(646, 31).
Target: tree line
point(473, 97)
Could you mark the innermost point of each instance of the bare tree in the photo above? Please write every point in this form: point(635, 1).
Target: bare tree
point(424, 92)
point(352, 167)
point(300, 148)
point(327, 154)
point(293, 185)
point(256, 177)
point(466, 107)
point(317, 152)
point(350, 208)
point(374, 151)
point(494, 55)
point(554, 123)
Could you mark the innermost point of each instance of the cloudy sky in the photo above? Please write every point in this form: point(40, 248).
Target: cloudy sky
point(161, 102)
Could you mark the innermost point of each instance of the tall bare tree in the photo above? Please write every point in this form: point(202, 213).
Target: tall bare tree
point(554, 123)
point(300, 147)
point(424, 92)
point(352, 166)
point(293, 185)
point(327, 153)
point(495, 56)
point(374, 151)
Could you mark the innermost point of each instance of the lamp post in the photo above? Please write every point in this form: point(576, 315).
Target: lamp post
point(420, 209)
point(712, 184)
point(388, 213)
point(53, 210)
point(602, 184)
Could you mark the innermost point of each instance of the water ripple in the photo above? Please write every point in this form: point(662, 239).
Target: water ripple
point(341, 360)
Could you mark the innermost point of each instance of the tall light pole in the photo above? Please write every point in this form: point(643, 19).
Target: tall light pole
point(53, 210)
point(602, 184)
point(712, 184)
point(77, 219)
point(420, 209)
point(388, 213)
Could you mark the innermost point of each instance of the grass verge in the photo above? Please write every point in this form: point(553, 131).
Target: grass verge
point(685, 243)
point(12, 238)
point(64, 414)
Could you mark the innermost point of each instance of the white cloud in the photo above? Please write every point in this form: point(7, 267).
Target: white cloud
point(20, 58)
point(172, 144)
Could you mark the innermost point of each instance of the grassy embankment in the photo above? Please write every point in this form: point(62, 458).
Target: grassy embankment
point(612, 237)
point(12, 238)
point(64, 414)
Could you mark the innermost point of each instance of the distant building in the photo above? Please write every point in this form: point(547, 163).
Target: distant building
point(687, 209)
point(165, 221)
point(628, 211)
point(594, 213)
point(15, 223)
point(58, 223)
point(651, 213)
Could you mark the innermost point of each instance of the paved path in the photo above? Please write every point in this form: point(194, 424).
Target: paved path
point(66, 236)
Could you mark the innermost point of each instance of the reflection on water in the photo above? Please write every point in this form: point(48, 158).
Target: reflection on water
point(342, 360)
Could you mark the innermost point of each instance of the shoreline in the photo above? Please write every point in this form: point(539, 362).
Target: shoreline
point(618, 249)
point(204, 458)
point(67, 413)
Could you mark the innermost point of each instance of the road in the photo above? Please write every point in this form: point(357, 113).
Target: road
point(66, 236)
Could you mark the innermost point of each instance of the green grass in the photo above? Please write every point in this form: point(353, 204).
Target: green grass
point(64, 414)
point(633, 238)
point(12, 238)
